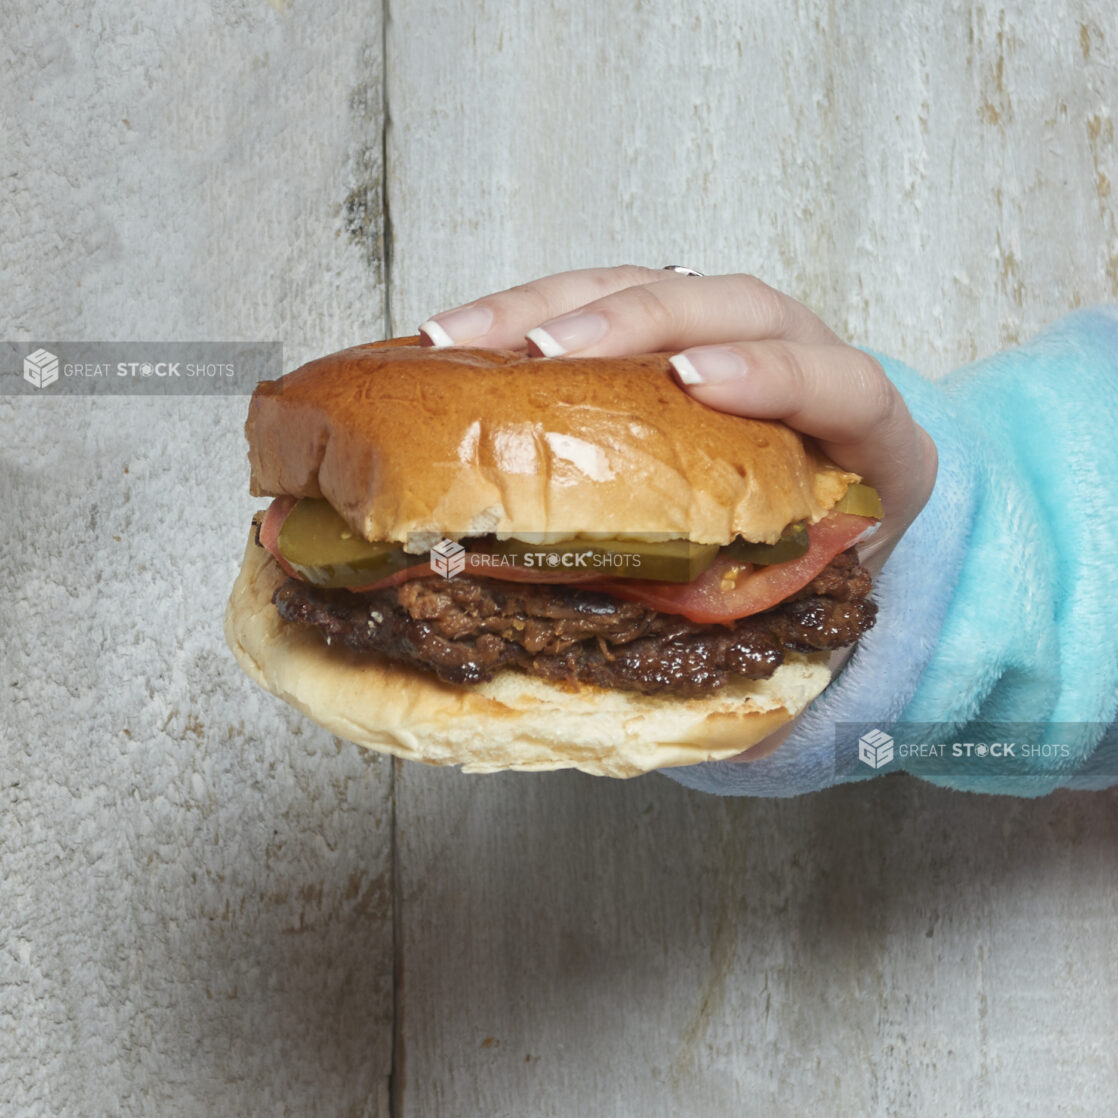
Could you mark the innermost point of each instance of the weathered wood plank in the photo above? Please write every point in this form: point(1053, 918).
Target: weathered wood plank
point(195, 901)
point(635, 948)
point(936, 183)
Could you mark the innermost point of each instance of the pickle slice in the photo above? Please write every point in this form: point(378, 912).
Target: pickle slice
point(325, 550)
point(661, 560)
point(321, 547)
point(860, 500)
point(792, 544)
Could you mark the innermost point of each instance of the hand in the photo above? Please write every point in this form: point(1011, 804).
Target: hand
point(746, 349)
point(739, 346)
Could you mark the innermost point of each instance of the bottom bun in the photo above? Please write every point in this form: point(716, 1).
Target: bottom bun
point(514, 721)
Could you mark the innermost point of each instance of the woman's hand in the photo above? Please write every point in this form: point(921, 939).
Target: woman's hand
point(740, 347)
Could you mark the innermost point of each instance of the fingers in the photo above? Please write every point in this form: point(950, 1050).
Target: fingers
point(835, 393)
point(501, 320)
point(678, 311)
point(614, 311)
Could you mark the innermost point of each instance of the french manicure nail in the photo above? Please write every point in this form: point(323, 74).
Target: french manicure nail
point(435, 334)
point(459, 326)
point(707, 365)
point(568, 333)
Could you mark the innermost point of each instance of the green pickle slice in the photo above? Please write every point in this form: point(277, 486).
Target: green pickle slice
point(661, 560)
point(860, 500)
point(325, 550)
point(318, 544)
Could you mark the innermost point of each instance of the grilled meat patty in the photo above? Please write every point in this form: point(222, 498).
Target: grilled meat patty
point(465, 629)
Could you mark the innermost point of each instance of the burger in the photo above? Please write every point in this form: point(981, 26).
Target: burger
point(482, 558)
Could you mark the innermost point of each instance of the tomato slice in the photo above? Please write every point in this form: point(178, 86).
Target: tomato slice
point(270, 529)
point(713, 597)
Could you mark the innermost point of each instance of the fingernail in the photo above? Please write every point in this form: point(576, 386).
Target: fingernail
point(568, 333)
point(458, 327)
point(707, 365)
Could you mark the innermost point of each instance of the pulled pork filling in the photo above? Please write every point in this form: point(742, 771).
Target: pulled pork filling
point(465, 629)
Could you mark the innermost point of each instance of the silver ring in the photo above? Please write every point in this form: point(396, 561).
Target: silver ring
point(680, 270)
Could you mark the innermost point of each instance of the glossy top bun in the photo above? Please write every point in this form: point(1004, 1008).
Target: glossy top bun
point(412, 444)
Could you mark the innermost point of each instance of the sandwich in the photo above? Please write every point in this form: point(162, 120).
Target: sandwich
point(481, 558)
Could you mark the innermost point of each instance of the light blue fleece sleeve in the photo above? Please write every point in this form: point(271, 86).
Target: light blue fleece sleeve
point(1000, 604)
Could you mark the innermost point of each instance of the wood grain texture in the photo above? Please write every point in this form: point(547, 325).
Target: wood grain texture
point(573, 945)
point(196, 885)
point(936, 182)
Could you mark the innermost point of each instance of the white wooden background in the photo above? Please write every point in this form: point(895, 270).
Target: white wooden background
point(208, 906)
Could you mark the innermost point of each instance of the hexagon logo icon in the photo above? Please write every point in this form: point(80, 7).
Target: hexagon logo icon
point(40, 368)
point(875, 749)
point(448, 558)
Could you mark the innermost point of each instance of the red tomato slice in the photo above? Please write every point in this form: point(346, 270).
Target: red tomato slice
point(757, 588)
point(270, 529)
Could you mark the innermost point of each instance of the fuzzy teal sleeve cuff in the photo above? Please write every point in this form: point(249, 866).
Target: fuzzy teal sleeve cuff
point(999, 605)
